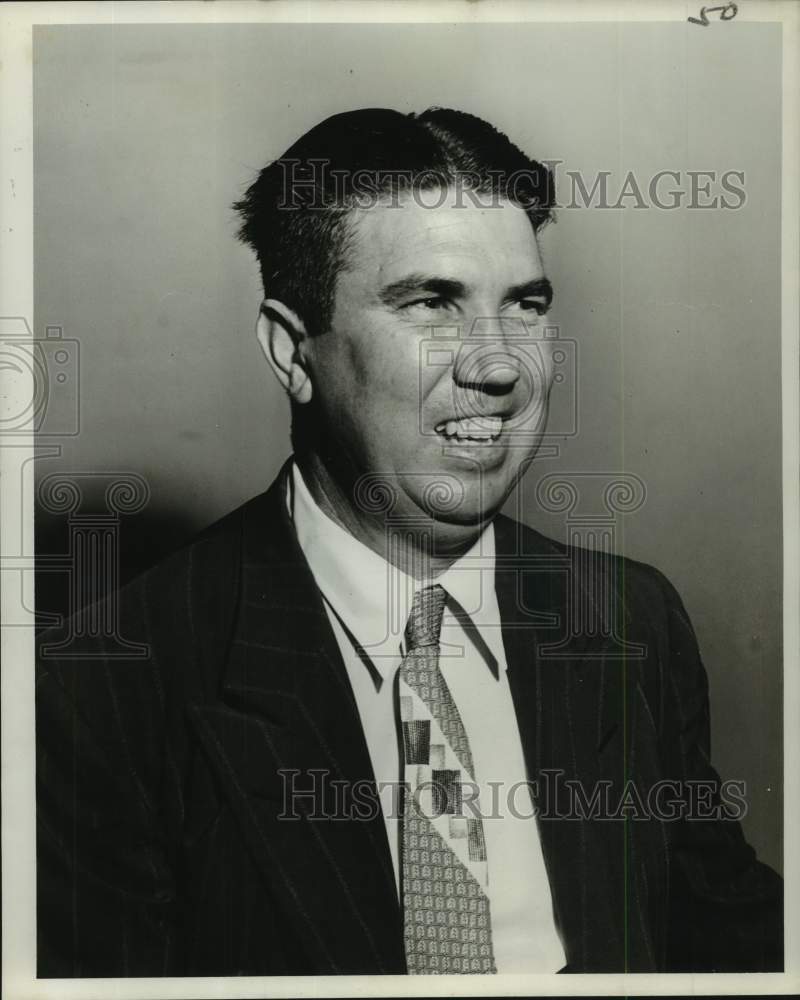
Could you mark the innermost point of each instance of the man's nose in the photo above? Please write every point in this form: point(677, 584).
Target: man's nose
point(486, 360)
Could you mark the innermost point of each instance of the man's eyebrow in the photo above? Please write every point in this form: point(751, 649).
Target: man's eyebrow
point(398, 290)
point(538, 288)
point(451, 288)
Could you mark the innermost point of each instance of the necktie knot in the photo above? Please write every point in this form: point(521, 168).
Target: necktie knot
point(425, 621)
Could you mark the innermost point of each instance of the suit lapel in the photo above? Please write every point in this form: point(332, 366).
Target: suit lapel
point(572, 718)
point(284, 732)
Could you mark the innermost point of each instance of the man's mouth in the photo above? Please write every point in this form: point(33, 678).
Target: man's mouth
point(480, 430)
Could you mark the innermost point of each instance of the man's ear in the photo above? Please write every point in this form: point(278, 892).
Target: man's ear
point(281, 332)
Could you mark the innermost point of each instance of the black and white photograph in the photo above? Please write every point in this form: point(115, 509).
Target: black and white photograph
point(400, 499)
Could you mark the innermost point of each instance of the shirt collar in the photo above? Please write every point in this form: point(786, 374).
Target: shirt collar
point(372, 597)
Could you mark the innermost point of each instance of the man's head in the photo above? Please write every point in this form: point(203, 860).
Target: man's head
point(374, 232)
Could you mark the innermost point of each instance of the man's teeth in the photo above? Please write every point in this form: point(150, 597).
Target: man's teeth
point(472, 428)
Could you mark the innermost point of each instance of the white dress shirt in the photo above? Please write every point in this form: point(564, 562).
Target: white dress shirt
point(369, 600)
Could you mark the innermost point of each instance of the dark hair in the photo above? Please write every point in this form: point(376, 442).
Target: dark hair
point(294, 214)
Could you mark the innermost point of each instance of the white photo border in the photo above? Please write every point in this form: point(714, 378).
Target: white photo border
point(16, 514)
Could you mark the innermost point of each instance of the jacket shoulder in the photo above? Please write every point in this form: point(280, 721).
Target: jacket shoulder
point(183, 607)
point(641, 588)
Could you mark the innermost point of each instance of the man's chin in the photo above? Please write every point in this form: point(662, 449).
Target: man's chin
point(469, 517)
point(462, 501)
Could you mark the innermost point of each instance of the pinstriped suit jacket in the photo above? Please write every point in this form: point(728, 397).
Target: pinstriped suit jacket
point(164, 847)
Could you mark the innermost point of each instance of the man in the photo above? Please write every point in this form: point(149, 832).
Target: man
point(365, 684)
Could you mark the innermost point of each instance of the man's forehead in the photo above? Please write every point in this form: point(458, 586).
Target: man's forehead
point(388, 235)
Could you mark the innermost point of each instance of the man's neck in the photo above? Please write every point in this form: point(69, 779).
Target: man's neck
point(422, 547)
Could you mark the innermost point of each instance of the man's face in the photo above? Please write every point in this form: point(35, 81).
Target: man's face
point(464, 410)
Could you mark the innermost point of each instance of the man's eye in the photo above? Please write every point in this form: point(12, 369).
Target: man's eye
point(431, 302)
point(533, 305)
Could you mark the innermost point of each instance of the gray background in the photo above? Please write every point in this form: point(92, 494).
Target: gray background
point(144, 136)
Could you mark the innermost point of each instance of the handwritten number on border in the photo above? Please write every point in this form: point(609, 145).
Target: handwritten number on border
point(727, 12)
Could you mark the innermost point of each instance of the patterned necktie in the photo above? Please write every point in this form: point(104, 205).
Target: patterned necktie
point(444, 872)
